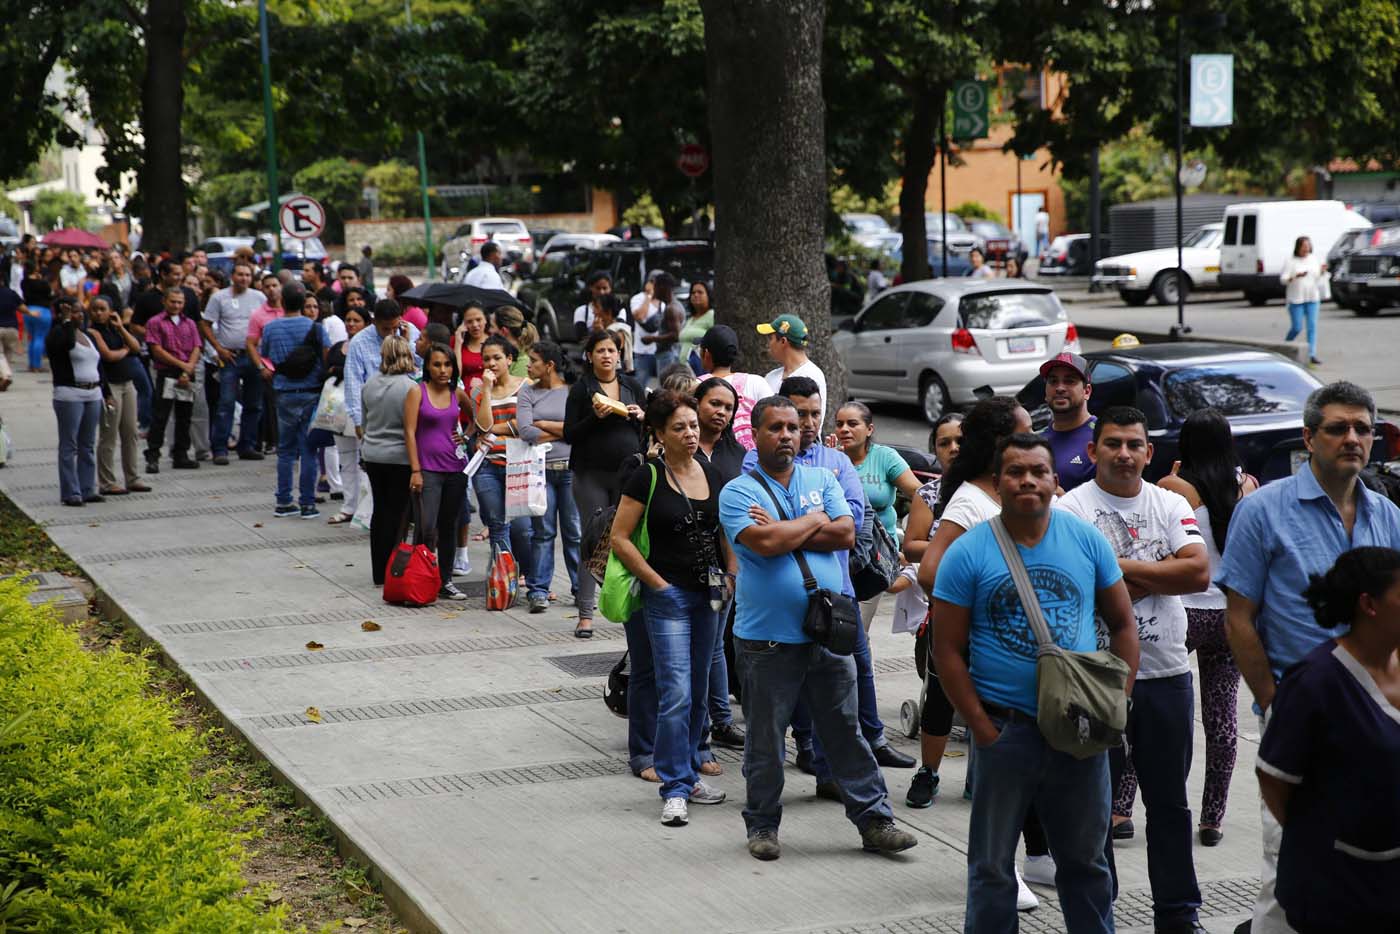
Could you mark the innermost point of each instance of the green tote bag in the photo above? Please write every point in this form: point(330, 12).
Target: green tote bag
point(621, 594)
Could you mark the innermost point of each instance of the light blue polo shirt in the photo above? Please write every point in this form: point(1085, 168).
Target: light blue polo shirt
point(771, 599)
point(1280, 536)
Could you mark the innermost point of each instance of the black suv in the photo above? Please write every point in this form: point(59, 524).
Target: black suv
point(558, 284)
point(1367, 278)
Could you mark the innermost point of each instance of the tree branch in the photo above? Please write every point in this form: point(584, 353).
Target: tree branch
point(132, 13)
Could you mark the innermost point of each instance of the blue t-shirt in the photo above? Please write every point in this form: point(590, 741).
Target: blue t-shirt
point(1068, 567)
point(771, 600)
point(1280, 536)
point(1335, 737)
point(280, 337)
point(1071, 449)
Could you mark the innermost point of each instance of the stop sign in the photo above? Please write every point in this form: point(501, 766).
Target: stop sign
point(693, 160)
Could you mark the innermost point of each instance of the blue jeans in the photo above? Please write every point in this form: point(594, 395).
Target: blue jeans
point(37, 328)
point(1160, 728)
point(1297, 311)
point(490, 483)
point(560, 515)
point(665, 359)
point(775, 675)
point(871, 726)
point(681, 628)
point(77, 447)
point(717, 712)
point(641, 696)
point(241, 370)
point(294, 413)
point(1071, 796)
point(644, 368)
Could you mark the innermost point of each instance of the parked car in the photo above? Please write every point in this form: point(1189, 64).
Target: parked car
point(1367, 280)
point(1259, 237)
point(961, 240)
point(469, 238)
point(958, 265)
point(997, 240)
point(1261, 393)
point(539, 236)
point(294, 252)
point(649, 233)
point(1349, 242)
point(1140, 276)
point(577, 241)
point(219, 250)
point(9, 234)
point(869, 230)
point(948, 342)
point(1377, 212)
point(1068, 255)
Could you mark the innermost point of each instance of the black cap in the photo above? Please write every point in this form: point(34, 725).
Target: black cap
point(721, 342)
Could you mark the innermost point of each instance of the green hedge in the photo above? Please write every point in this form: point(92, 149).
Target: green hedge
point(104, 824)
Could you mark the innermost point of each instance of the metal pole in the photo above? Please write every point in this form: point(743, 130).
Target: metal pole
point(270, 132)
point(423, 174)
point(1095, 214)
point(1181, 327)
point(943, 180)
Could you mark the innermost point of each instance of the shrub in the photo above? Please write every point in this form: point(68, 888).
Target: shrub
point(104, 824)
point(54, 205)
point(970, 210)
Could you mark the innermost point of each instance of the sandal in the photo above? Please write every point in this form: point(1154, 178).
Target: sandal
point(711, 768)
point(339, 518)
point(583, 632)
point(648, 774)
point(482, 536)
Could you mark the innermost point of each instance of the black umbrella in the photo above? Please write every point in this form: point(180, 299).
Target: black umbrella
point(458, 295)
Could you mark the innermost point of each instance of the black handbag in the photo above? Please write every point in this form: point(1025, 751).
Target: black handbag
point(874, 560)
point(832, 619)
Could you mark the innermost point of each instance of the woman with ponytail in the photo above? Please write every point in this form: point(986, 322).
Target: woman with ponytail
point(511, 324)
point(1329, 761)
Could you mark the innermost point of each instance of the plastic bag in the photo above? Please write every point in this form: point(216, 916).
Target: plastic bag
point(365, 509)
point(525, 492)
point(331, 414)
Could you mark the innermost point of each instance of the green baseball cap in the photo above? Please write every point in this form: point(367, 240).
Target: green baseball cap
point(789, 327)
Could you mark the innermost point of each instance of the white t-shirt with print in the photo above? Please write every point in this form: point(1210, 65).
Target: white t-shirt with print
point(809, 369)
point(1152, 526)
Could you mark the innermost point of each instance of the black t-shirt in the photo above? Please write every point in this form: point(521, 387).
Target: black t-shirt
point(684, 538)
point(9, 307)
point(728, 459)
point(120, 371)
point(151, 302)
point(37, 292)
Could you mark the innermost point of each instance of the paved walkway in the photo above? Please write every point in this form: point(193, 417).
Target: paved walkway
point(468, 757)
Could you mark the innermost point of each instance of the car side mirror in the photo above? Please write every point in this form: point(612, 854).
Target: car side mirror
point(847, 325)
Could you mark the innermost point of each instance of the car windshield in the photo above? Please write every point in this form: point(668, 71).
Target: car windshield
point(686, 265)
point(1205, 238)
point(1238, 388)
point(999, 311)
point(514, 228)
point(955, 223)
point(866, 223)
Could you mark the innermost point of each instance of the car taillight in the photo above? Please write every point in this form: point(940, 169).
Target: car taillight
point(479, 238)
point(1376, 237)
point(1062, 257)
point(963, 342)
point(1259, 265)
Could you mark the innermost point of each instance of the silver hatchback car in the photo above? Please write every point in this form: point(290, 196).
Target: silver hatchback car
point(949, 342)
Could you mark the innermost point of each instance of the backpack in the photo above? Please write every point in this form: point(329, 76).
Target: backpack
point(301, 362)
point(874, 561)
point(1381, 479)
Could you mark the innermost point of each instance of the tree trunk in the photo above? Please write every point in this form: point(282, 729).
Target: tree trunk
point(920, 150)
point(763, 67)
point(162, 186)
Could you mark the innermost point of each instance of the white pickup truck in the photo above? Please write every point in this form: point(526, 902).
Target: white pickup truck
point(1139, 276)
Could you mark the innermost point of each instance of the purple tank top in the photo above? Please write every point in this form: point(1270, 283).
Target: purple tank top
point(436, 449)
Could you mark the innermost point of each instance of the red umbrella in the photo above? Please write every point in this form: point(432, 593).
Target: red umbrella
point(75, 238)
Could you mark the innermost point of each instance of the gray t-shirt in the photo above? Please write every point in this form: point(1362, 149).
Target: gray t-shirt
point(533, 404)
point(229, 314)
point(381, 402)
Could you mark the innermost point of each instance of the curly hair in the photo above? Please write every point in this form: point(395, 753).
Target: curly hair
point(986, 423)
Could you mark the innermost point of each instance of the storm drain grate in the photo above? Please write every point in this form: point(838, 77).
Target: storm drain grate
point(592, 665)
point(477, 781)
point(219, 509)
point(889, 666)
point(195, 551)
point(1133, 908)
point(428, 706)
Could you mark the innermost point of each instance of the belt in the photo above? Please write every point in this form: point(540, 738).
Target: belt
point(556, 465)
point(87, 385)
point(1007, 713)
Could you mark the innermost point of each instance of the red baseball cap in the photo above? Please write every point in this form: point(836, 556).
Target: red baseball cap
point(1072, 360)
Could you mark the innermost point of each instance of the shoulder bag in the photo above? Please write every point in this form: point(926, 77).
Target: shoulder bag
point(1082, 708)
point(832, 619)
point(621, 594)
point(874, 561)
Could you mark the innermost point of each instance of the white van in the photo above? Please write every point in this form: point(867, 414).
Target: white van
point(1260, 235)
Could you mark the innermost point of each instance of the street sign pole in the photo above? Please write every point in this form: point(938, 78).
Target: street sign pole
point(270, 132)
point(943, 182)
point(1181, 327)
point(423, 175)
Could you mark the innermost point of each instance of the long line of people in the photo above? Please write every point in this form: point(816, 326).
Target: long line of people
point(737, 523)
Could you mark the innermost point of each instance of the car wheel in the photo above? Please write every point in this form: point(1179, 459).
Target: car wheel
point(1167, 285)
point(544, 322)
point(1136, 297)
point(933, 397)
point(1367, 311)
point(1256, 298)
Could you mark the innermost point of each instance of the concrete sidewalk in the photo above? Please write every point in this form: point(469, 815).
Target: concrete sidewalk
point(467, 756)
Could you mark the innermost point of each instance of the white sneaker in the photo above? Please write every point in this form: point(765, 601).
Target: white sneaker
point(706, 794)
point(1039, 870)
point(1025, 898)
point(674, 812)
point(461, 564)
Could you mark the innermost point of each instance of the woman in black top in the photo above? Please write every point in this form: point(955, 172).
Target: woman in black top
point(683, 586)
point(121, 354)
point(600, 440)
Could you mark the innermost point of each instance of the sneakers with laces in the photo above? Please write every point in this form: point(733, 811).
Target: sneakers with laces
point(461, 564)
point(310, 512)
point(882, 836)
point(1039, 870)
point(450, 592)
point(763, 844)
point(728, 735)
point(706, 794)
point(923, 789)
point(674, 812)
point(1025, 899)
point(285, 511)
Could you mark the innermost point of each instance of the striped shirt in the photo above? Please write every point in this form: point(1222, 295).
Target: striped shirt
point(502, 423)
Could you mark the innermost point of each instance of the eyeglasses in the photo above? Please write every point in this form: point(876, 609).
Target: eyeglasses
point(1341, 429)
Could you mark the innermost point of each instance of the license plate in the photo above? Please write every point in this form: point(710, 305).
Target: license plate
point(1021, 345)
point(1296, 459)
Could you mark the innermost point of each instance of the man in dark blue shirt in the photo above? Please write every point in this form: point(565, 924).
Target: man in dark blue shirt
point(1067, 391)
point(297, 397)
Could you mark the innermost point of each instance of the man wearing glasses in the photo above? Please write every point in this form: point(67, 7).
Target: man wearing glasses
point(1289, 530)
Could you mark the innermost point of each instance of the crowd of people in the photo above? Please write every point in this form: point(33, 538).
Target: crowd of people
point(740, 521)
